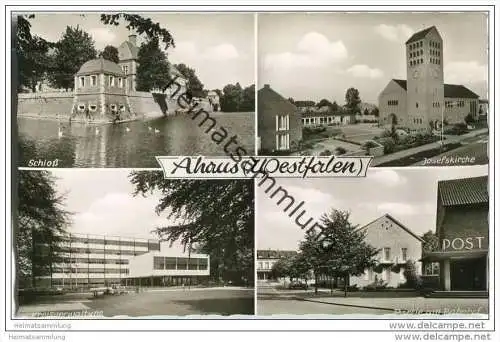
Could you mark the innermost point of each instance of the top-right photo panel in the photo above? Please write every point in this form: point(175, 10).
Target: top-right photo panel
point(409, 89)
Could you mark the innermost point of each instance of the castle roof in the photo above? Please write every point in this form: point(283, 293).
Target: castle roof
point(450, 90)
point(99, 66)
point(420, 34)
point(463, 191)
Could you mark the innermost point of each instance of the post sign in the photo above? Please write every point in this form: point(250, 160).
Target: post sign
point(461, 244)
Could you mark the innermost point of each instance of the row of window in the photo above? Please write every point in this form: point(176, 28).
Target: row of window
point(84, 281)
point(112, 81)
point(449, 104)
point(93, 107)
point(436, 105)
point(435, 61)
point(417, 53)
point(387, 254)
point(265, 265)
point(102, 251)
point(94, 261)
point(283, 142)
point(172, 263)
point(416, 62)
point(89, 270)
point(435, 53)
point(416, 45)
point(152, 245)
point(418, 121)
point(392, 102)
point(434, 44)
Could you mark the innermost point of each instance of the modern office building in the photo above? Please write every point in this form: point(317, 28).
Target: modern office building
point(93, 261)
point(421, 101)
point(462, 229)
point(397, 245)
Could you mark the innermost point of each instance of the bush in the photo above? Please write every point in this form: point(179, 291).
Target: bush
point(413, 280)
point(389, 145)
point(378, 284)
point(353, 288)
point(326, 153)
point(340, 150)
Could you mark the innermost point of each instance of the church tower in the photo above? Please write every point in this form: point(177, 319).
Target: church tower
point(425, 85)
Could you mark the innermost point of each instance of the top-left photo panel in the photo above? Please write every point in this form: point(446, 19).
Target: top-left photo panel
point(115, 90)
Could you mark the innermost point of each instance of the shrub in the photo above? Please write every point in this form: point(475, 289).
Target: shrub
point(326, 153)
point(413, 280)
point(340, 150)
point(389, 145)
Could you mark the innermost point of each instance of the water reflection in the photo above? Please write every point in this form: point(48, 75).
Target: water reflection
point(133, 144)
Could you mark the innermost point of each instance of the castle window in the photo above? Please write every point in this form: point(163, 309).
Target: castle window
point(113, 107)
point(93, 80)
point(125, 69)
point(120, 82)
point(122, 108)
point(93, 107)
point(81, 106)
point(82, 81)
point(112, 81)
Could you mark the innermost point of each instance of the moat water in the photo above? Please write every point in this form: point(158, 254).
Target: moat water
point(131, 144)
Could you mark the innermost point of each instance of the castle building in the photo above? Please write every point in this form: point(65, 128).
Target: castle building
point(423, 101)
point(100, 91)
point(128, 55)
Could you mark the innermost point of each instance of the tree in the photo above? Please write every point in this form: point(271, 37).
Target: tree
point(40, 227)
point(431, 242)
point(231, 98)
point(335, 107)
point(366, 112)
point(292, 101)
point(215, 217)
point(469, 119)
point(194, 85)
point(153, 72)
point(352, 100)
point(312, 254)
point(413, 280)
point(73, 49)
point(111, 54)
point(375, 112)
point(344, 250)
point(32, 54)
point(324, 102)
point(248, 99)
point(281, 268)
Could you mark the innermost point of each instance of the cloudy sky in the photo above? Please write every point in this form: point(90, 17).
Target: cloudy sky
point(102, 203)
point(409, 195)
point(220, 47)
point(310, 56)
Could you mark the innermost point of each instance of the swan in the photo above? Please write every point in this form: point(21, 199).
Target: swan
point(150, 128)
point(157, 130)
point(127, 129)
point(97, 130)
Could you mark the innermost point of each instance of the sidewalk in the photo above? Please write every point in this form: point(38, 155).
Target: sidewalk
point(414, 150)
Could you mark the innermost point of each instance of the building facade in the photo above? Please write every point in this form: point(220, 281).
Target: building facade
point(420, 102)
point(96, 261)
point(128, 55)
point(462, 230)
point(397, 245)
point(100, 91)
point(279, 122)
point(266, 260)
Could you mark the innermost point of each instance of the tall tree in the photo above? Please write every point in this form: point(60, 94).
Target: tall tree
point(153, 71)
point(215, 217)
point(311, 250)
point(32, 54)
point(232, 97)
point(352, 100)
point(40, 227)
point(194, 85)
point(248, 99)
point(366, 112)
point(324, 102)
point(110, 53)
point(73, 49)
point(345, 252)
point(375, 112)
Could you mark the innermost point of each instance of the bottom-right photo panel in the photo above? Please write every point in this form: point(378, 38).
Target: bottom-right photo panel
point(398, 241)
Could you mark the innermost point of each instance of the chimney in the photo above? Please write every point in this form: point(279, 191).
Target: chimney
point(133, 39)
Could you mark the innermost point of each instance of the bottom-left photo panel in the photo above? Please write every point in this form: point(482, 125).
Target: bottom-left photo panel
point(131, 244)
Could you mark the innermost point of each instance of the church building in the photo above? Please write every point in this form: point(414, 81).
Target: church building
point(422, 102)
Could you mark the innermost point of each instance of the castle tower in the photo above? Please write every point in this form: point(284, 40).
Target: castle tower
point(128, 54)
point(425, 87)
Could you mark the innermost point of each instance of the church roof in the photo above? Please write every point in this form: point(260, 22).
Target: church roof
point(463, 191)
point(450, 90)
point(420, 35)
point(98, 66)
